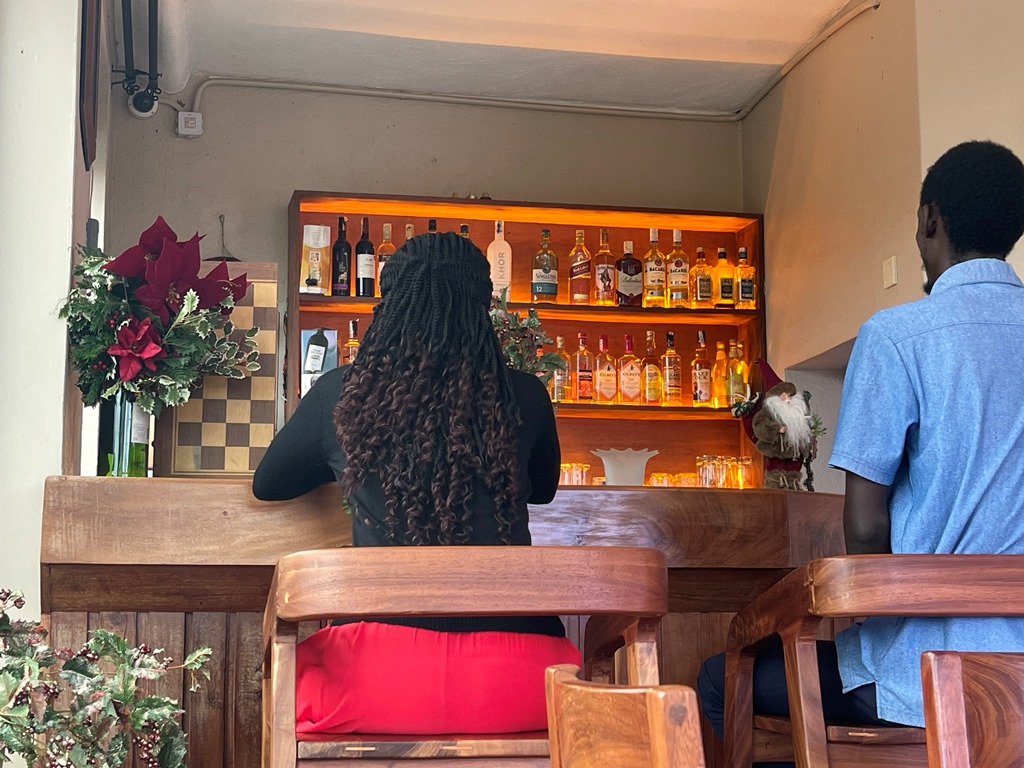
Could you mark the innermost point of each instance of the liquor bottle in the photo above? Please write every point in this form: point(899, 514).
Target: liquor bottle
point(580, 272)
point(720, 377)
point(341, 262)
point(560, 387)
point(410, 232)
point(739, 389)
point(431, 226)
point(464, 230)
point(671, 373)
point(655, 274)
point(630, 375)
point(499, 256)
point(722, 277)
point(583, 372)
point(700, 374)
point(316, 353)
point(651, 394)
point(366, 269)
point(604, 274)
point(606, 378)
point(746, 283)
point(629, 278)
point(544, 286)
point(384, 252)
point(351, 348)
point(700, 283)
point(678, 273)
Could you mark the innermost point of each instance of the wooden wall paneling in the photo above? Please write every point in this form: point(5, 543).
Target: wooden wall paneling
point(68, 629)
point(244, 683)
point(166, 631)
point(121, 623)
point(204, 709)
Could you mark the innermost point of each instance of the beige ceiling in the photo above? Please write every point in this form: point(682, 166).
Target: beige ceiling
point(676, 56)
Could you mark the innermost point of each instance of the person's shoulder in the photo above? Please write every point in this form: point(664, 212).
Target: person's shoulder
point(526, 385)
point(330, 382)
point(902, 321)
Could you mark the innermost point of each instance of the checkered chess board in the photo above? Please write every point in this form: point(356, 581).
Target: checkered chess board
point(225, 427)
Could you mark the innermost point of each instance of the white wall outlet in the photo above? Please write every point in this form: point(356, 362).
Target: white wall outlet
point(190, 124)
point(889, 278)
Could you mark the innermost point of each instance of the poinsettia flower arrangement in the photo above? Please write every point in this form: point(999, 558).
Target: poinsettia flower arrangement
point(147, 324)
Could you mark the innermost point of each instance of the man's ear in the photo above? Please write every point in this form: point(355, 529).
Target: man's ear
point(928, 220)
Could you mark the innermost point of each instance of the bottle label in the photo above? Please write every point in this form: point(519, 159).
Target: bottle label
point(381, 261)
point(702, 385)
point(746, 289)
point(630, 379)
point(315, 355)
point(316, 236)
point(652, 383)
point(545, 282)
point(725, 285)
point(364, 266)
point(672, 380)
point(703, 288)
point(737, 388)
point(654, 273)
point(678, 271)
point(585, 385)
point(560, 386)
point(348, 354)
point(499, 254)
point(631, 282)
point(605, 277)
point(606, 383)
point(580, 269)
point(140, 425)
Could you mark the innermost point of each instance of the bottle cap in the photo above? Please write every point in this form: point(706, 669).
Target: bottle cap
point(721, 253)
point(677, 235)
point(499, 226)
point(560, 341)
point(654, 234)
point(628, 341)
point(670, 339)
point(743, 254)
point(579, 234)
point(353, 328)
point(603, 339)
point(627, 247)
point(545, 233)
point(387, 231)
point(583, 339)
point(650, 335)
point(700, 338)
point(700, 249)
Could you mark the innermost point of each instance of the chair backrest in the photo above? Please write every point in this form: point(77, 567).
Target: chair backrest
point(469, 581)
point(595, 725)
point(974, 709)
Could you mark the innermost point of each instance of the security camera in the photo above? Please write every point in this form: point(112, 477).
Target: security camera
point(142, 105)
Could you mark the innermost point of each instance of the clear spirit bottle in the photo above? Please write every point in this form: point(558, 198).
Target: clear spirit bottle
point(739, 389)
point(560, 387)
point(581, 274)
point(720, 377)
point(678, 273)
point(630, 375)
point(652, 393)
point(606, 378)
point(700, 283)
point(722, 281)
point(499, 256)
point(746, 282)
point(655, 274)
point(544, 285)
point(700, 374)
point(605, 278)
point(671, 373)
point(351, 348)
point(583, 372)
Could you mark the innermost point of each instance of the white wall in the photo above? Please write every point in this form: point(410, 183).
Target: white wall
point(259, 146)
point(41, 193)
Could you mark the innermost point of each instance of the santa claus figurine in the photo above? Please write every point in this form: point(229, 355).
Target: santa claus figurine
point(781, 430)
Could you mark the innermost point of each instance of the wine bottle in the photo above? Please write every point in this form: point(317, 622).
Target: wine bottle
point(384, 252)
point(316, 352)
point(341, 262)
point(499, 256)
point(366, 269)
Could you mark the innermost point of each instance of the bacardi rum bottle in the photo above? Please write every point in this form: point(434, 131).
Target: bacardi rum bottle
point(606, 377)
point(678, 273)
point(655, 274)
point(581, 274)
point(544, 285)
point(499, 256)
point(604, 274)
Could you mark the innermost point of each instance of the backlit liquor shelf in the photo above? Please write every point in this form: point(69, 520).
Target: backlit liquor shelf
point(579, 312)
point(641, 412)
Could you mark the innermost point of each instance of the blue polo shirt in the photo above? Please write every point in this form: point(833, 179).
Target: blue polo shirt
point(933, 406)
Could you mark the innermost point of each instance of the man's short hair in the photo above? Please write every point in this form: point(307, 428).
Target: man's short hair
point(978, 187)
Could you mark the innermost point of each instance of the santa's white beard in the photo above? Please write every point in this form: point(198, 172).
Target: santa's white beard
point(793, 415)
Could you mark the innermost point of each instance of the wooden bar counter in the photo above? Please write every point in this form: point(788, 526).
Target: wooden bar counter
point(184, 563)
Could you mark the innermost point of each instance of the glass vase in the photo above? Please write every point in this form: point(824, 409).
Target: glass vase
point(129, 455)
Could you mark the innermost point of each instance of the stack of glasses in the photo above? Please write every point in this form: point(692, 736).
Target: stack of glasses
point(724, 471)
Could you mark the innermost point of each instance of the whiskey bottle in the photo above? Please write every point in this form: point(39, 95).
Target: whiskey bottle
point(651, 394)
point(739, 389)
point(384, 252)
point(700, 283)
point(630, 375)
point(583, 372)
point(499, 256)
point(581, 274)
point(606, 379)
point(604, 274)
point(629, 279)
point(410, 232)
point(351, 348)
point(544, 285)
point(722, 277)
point(655, 274)
point(366, 269)
point(671, 373)
point(678, 273)
point(700, 374)
point(560, 387)
point(720, 377)
point(746, 283)
point(341, 262)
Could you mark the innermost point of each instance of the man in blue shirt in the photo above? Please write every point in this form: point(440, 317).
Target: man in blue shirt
point(931, 435)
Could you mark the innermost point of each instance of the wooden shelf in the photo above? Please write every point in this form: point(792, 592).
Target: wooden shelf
point(309, 302)
point(641, 412)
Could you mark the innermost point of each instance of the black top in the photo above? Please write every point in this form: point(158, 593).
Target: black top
point(306, 454)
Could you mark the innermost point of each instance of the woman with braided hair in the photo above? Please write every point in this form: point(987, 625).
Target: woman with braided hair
point(435, 441)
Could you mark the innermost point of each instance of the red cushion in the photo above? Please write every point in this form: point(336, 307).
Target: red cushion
point(381, 678)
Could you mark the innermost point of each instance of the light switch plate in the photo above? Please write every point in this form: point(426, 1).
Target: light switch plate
point(889, 278)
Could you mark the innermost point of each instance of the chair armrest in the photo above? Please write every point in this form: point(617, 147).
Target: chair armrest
point(606, 633)
point(786, 603)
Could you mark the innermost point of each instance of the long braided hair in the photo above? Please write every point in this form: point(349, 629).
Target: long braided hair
point(428, 405)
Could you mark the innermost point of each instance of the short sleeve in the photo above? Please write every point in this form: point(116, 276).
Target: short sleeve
point(878, 407)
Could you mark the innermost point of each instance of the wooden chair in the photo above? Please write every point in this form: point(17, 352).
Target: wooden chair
point(595, 725)
point(973, 709)
point(843, 588)
point(623, 590)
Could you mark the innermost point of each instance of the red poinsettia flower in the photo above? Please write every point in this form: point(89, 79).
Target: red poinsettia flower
point(170, 277)
point(132, 263)
point(138, 346)
point(217, 284)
